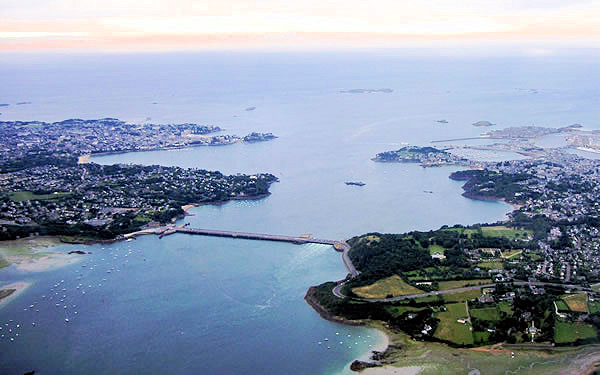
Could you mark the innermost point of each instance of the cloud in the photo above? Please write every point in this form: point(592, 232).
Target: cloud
point(188, 24)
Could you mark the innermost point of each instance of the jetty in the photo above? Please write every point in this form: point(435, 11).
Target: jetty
point(341, 246)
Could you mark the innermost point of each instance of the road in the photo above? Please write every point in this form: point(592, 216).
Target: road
point(337, 291)
point(342, 246)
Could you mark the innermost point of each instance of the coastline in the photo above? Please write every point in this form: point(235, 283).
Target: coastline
point(476, 197)
point(18, 288)
point(382, 346)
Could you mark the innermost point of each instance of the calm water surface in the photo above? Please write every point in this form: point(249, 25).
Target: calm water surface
point(220, 306)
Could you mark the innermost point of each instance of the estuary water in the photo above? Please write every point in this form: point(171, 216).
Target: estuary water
point(220, 306)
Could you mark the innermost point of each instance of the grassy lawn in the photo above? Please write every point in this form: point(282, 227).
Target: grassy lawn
point(453, 284)
point(596, 287)
point(505, 307)
point(141, 219)
point(495, 231)
point(393, 285)
point(570, 332)
point(535, 256)
point(481, 337)
point(502, 231)
point(577, 302)
point(489, 313)
point(397, 311)
point(562, 305)
point(436, 249)
point(468, 232)
point(451, 330)
point(594, 307)
point(19, 196)
point(491, 265)
point(462, 296)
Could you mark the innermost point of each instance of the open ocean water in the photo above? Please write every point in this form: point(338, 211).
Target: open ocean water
point(221, 306)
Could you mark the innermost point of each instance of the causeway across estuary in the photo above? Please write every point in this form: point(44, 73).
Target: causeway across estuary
point(341, 246)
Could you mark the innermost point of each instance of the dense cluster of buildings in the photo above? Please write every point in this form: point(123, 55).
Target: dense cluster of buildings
point(77, 137)
point(44, 190)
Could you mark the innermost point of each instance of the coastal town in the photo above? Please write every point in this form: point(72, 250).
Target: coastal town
point(533, 279)
point(44, 190)
point(77, 137)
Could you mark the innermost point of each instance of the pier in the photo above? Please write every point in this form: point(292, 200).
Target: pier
point(341, 246)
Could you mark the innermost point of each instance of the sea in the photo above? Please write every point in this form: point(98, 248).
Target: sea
point(191, 304)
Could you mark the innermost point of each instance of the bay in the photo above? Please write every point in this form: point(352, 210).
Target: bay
point(220, 306)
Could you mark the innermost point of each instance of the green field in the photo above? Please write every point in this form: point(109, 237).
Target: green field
point(3, 263)
point(495, 231)
point(141, 219)
point(19, 196)
point(502, 231)
point(489, 313)
point(577, 302)
point(480, 337)
point(462, 296)
point(596, 287)
point(491, 265)
point(451, 330)
point(397, 311)
point(505, 307)
point(570, 332)
point(393, 285)
point(594, 307)
point(562, 305)
point(451, 297)
point(534, 256)
point(436, 249)
point(453, 284)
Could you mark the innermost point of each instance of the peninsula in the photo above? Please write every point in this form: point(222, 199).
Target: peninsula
point(76, 137)
point(45, 191)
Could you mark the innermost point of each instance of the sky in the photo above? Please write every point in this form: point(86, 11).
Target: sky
point(150, 25)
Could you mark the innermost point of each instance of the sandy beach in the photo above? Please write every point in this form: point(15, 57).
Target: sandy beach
point(382, 343)
point(19, 288)
point(187, 207)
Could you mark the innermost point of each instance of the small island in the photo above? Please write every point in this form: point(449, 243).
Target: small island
point(355, 183)
point(442, 121)
point(426, 156)
point(258, 137)
point(483, 124)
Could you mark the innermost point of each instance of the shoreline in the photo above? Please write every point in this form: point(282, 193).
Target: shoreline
point(476, 197)
point(18, 288)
